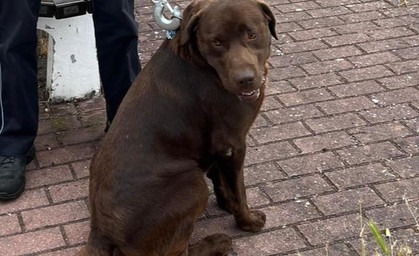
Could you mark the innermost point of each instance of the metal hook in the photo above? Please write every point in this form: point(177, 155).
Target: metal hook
point(161, 20)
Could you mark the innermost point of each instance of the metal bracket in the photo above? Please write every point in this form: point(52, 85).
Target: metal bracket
point(161, 20)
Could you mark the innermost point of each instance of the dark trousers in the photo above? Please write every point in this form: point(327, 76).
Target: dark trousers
point(116, 40)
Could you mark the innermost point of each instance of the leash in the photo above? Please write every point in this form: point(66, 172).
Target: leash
point(170, 25)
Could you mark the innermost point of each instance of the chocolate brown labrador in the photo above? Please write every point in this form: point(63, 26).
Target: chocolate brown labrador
point(186, 116)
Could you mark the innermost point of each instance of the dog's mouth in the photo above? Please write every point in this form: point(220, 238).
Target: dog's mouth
point(249, 96)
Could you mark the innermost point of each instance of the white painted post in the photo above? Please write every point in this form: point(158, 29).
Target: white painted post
point(72, 67)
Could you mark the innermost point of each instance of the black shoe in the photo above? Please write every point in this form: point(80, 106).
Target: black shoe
point(12, 174)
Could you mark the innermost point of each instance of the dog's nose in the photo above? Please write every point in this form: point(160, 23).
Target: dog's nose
point(245, 78)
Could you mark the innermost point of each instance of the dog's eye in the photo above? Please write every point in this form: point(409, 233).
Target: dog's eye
point(251, 35)
point(216, 43)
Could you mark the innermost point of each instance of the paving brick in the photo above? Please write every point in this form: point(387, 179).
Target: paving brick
point(262, 173)
point(269, 243)
point(399, 190)
point(385, 45)
point(270, 103)
point(413, 124)
point(77, 232)
point(392, 217)
point(396, 82)
point(206, 227)
point(54, 215)
point(316, 81)
point(81, 168)
point(256, 198)
point(379, 132)
point(289, 213)
point(277, 87)
point(292, 16)
point(265, 153)
point(330, 230)
point(58, 123)
point(260, 121)
point(280, 132)
point(46, 142)
point(389, 113)
point(9, 224)
point(347, 39)
point(409, 53)
point(404, 67)
point(366, 73)
point(297, 7)
point(373, 59)
point(310, 164)
point(340, 249)
point(288, 26)
point(412, 40)
point(347, 201)
point(389, 33)
point(327, 66)
point(394, 22)
point(303, 46)
point(324, 142)
point(362, 175)
point(68, 191)
point(304, 97)
point(293, 114)
point(346, 105)
point(42, 177)
point(375, 5)
point(361, 16)
point(321, 22)
point(325, 12)
point(91, 105)
point(396, 96)
point(59, 110)
point(29, 199)
point(285, 73)
point(78, 136)
point(327, 3)
point(357, 88)
point(63, 252)
point(358, 27)
point(32, 242)
point(94, 118)
point(64, 155)
point(296, 188)
point(337, 52)
point(292, 59)
point(369, 153)
point(316, 33)
point(332, 123)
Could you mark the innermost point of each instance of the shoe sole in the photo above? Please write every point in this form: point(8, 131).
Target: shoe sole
point(29, 157)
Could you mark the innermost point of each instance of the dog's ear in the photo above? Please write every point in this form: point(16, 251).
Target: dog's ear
point(269, 16)
point(190, 19)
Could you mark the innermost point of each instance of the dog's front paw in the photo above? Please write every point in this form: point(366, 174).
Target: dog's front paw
point(254, 222)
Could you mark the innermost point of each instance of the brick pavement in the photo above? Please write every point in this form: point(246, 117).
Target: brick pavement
point(340, 124)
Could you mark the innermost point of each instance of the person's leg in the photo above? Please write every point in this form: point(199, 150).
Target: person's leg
point(18, 92)
point(116, 41)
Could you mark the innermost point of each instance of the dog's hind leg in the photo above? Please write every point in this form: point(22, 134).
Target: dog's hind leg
point(213, 245)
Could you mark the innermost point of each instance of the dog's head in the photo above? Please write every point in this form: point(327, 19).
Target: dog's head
point(234, 37)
